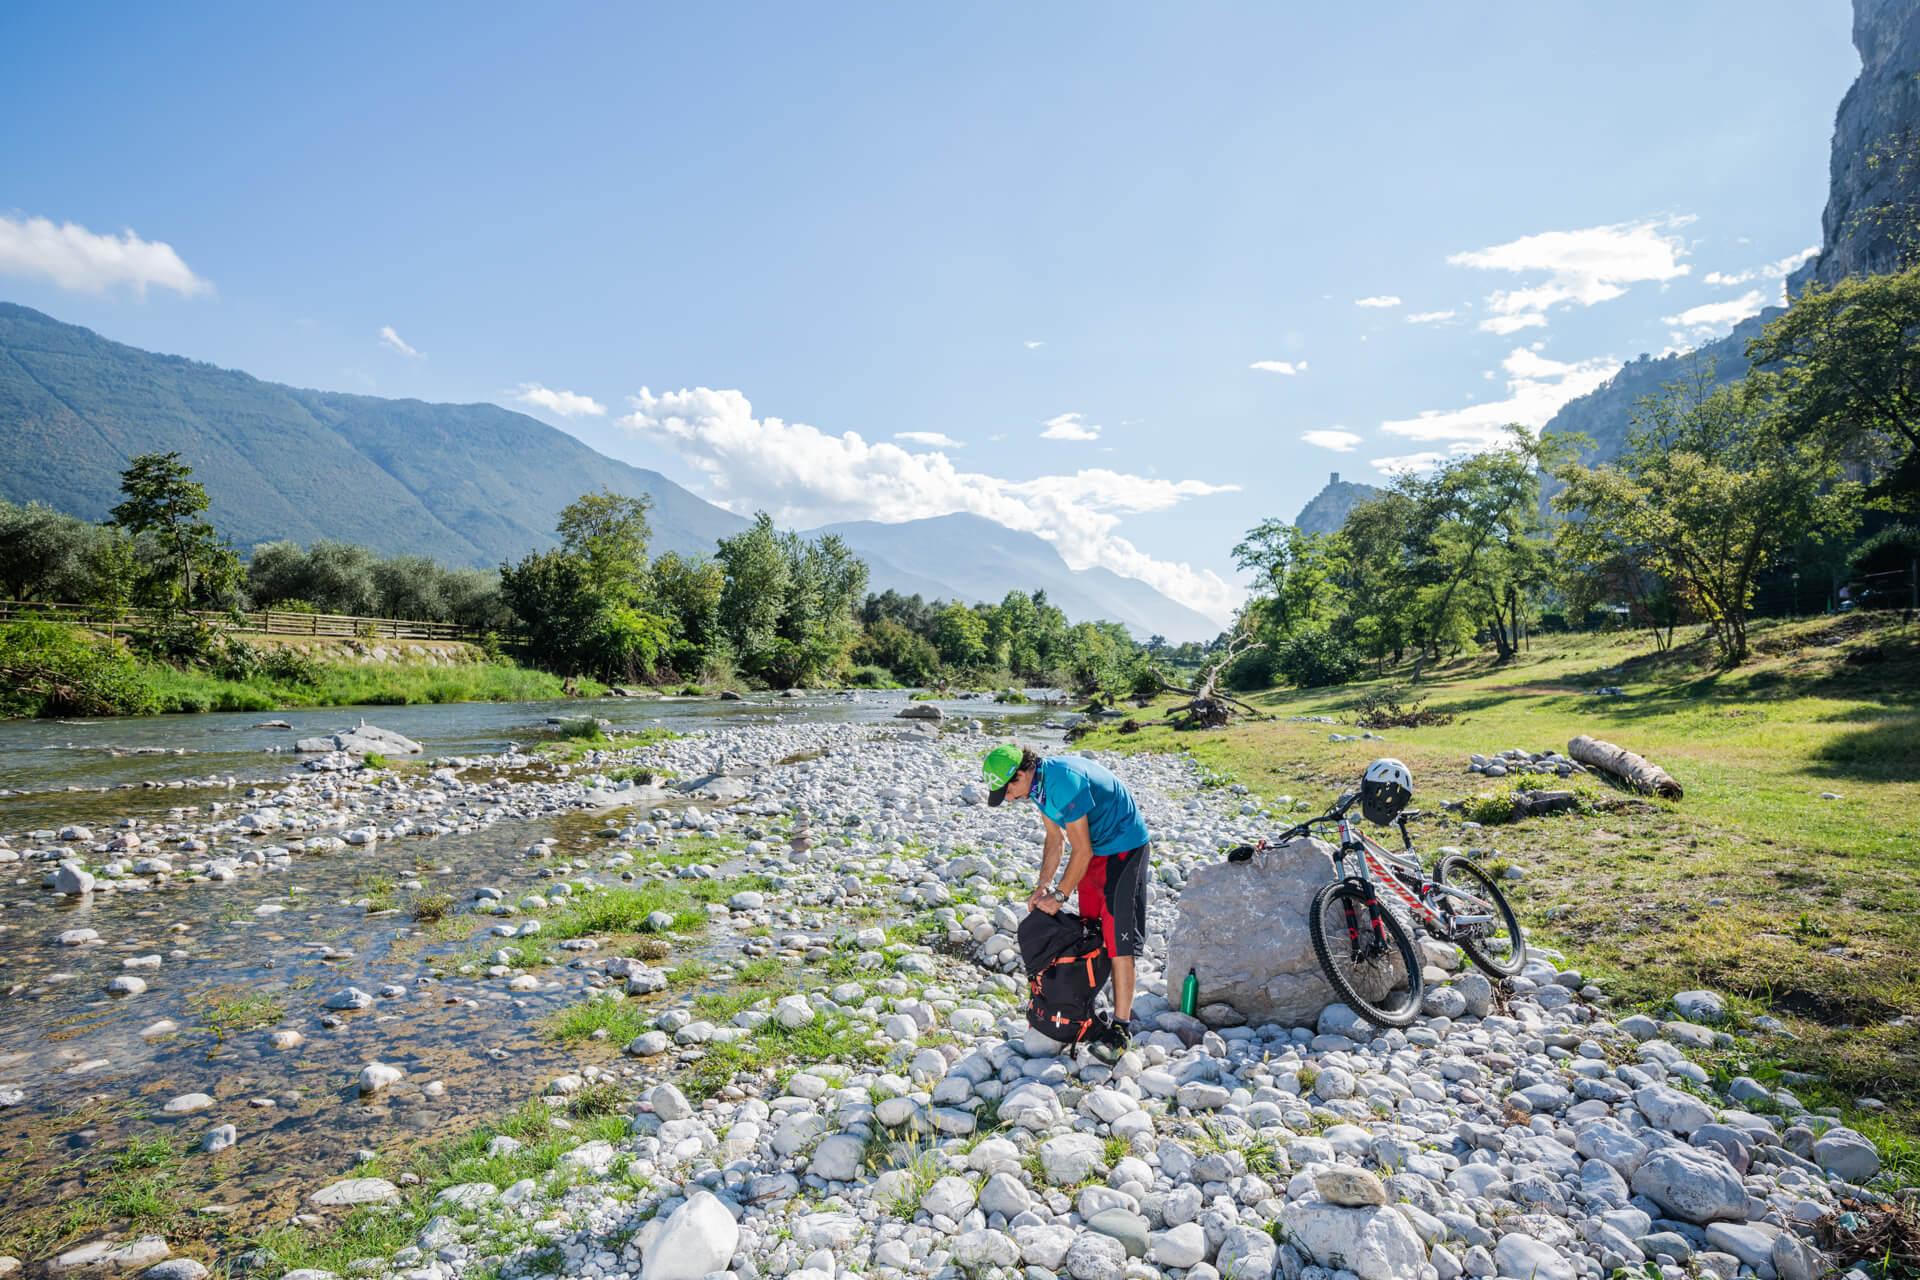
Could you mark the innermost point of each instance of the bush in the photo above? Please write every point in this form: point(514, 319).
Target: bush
point(1317, 659)
point(1381, 709)
point(871, 678)
point(1253, 669)
point(52, 669)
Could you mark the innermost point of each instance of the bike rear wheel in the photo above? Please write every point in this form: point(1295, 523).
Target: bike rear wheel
point(1502, 951)
point(1366, 953)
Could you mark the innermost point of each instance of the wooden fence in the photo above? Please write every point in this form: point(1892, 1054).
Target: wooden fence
point(339, 626)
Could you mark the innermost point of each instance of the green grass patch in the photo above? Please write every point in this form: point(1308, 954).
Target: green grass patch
point(611, 1012)
point(825, 1039)
point(1751, 885)
point(230, 1011)
point(624, 909)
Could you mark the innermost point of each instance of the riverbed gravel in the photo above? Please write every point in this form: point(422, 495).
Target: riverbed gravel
point(1524, 1132)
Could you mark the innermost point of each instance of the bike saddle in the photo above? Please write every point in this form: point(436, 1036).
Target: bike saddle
point(1240, 853)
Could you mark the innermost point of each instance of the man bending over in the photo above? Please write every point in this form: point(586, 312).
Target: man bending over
point(1089, 814)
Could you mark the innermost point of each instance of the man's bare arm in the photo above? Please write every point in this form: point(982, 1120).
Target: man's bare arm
point(1082, 846)
point(1049, 857)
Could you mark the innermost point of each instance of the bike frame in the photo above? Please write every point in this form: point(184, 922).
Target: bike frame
point(1378, 865)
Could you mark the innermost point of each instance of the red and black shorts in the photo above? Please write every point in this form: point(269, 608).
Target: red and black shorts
point(1114, 892)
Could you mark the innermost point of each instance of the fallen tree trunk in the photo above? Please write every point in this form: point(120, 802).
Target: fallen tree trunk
point(1207, 707)
point(1617, 762)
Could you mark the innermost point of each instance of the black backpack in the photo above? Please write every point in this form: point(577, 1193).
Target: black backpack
point(1067, 965)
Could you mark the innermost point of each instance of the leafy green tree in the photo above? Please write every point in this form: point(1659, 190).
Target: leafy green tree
point(1714, 487)
point(609, 533)
point(42, 552)
point(960, 634)
point(165, 506)
point(1845, 362)
point(908, 655)
point(687, 593)
point(758, 578)
point(549, 592)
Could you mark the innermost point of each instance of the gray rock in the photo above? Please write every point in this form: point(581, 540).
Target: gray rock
point(186, 1104)
point(1044, 1245)
point(699, 1239)
point(1692, 1184)
point(977, 1250)
point(1180, 1246)
point(1475, 987)
point(1522, 1255)
point(838, 1158)
point(376, 1076)
point(1846, 1154)
point(1006, 1195)
point(1667, 1108)
point(1700, 1006)
point(1350, 1187)
point(1242, 931)
point(1093, 1256)
point(1130, 1229)
point(353, 1191)
point(72, 879)
point(176, 1269)
point(104, 1256)
point(1070, 1158)
point(1374, 1243)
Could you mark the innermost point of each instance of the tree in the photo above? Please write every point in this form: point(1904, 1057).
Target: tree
point(549, 593)
point(1845, 362)
point(42, 552)
point(758, 578)
point(164, 504)
point(909, 656)
point(1713, 488)
point(609, 533)
point(960, 635)
point(687, 593)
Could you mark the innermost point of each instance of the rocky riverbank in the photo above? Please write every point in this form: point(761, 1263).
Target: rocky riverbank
point(845, 1087)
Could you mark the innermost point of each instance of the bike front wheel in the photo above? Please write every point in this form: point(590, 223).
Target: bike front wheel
point(1498, 949)
point(1367, 954)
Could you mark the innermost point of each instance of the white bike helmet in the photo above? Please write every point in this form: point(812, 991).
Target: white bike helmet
point(1385, 788)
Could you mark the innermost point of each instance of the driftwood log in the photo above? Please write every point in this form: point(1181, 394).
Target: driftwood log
point(1617, 762)
point(1206, 707)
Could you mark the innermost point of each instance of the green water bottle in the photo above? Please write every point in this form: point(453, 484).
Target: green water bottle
point(1190, 994)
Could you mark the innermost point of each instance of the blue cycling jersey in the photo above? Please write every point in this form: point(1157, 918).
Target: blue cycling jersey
point(1068, 788)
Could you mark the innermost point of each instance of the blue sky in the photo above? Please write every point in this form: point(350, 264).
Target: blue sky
point(1061, 239)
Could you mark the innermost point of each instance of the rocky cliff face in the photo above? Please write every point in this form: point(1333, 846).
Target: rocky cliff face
point(1328, 509)
point(1872, 222)
point(1872, 215)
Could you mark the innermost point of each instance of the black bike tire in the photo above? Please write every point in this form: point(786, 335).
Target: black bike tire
point(1483, 885)
point(1317, 931)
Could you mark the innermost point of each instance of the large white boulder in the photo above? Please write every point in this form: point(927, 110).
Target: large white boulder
point(1375, 1243)
point(699, 1239)
point(1692, 1183)
point(1242, 932)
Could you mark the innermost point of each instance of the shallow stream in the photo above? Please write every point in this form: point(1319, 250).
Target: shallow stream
point(82, 1078)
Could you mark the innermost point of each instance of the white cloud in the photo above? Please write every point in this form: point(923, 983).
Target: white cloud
point(73, 257)
point(1779, 270)
point(936, 439)
point(1430, 317)
point(1279, 366)
point(1034, 344)
point(1536, 388)
point(1586, 267)
point(1337, 440)
point(1377, 300)
point(1710, 319)
point(1406, 462)
point(391, 339)
point(565, 404)
point(1069, 426)
point(805, 476)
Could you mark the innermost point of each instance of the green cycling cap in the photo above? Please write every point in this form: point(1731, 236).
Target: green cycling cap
point(1001, 764)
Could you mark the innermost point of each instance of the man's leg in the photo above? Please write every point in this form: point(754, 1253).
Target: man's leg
point(1127, 924)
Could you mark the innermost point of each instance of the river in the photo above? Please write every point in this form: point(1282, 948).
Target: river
point(87, 1073)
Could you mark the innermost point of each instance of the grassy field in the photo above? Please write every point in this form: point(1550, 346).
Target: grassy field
point(1754, 885)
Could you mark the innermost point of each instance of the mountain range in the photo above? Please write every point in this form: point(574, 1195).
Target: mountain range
point(1327, 510)
point(469, 484)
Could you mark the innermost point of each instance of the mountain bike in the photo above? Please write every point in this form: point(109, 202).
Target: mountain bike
point(1359, 936)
